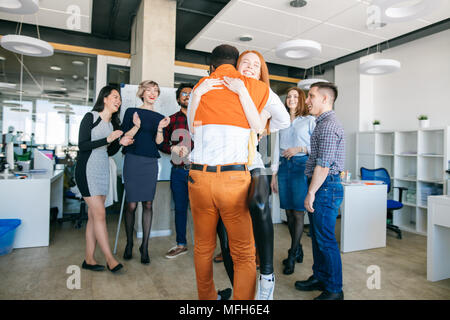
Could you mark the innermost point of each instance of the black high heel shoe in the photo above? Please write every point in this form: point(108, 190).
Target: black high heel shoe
point(298, 256)
point(128, 253)
point(145, 259)
point(289, 266)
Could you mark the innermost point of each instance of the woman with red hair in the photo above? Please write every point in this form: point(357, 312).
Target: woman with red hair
point(253, 65)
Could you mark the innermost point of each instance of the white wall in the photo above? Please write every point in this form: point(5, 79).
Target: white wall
point(347, 108)
point(422, 86)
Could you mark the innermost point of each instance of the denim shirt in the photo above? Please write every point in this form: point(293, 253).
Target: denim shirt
point(297, 135)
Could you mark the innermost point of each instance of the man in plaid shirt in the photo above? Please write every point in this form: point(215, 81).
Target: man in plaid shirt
point(177, 142)
point(325, 193)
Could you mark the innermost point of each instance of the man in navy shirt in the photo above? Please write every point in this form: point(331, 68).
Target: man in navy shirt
point(325, 192)
point(177, 143)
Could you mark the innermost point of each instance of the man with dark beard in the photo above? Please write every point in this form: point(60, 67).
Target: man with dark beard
point(177, 143)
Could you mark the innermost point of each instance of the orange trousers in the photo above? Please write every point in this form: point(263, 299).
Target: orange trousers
point(224, 193)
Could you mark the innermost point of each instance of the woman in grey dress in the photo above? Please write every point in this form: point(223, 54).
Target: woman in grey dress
point(98, 138)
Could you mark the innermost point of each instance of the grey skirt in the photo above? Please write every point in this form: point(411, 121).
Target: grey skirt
point(140, 176)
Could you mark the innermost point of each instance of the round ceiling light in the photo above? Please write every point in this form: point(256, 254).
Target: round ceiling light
point(379, 67)
point(78, 63)
point(298, 3)
point(59, 79)
point(2, 58)
point(56, 68)
point(402, 10)
point(19, 6)
point(25, 45)
point(246, 37)
point(306, 83)
point(298, 49)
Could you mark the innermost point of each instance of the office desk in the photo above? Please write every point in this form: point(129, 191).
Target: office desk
point(30, 200)
point(438, 238)
point(363, 216)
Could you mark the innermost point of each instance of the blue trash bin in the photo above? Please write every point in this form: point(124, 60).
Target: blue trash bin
point(8, 229)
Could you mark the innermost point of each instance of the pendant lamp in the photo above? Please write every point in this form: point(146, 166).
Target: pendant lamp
point(25, 45)
point(298, 49)
point(379, 66)
point(397, 11)
point(19, 6)
point(306, 83)
point(18, 43)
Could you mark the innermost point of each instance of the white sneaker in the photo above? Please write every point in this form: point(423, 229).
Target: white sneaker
point(265, 288)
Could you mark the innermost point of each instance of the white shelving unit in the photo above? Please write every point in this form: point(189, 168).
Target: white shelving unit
point(415, 159)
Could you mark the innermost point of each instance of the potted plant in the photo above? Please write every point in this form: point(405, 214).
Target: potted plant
point(424, 122)
point(376, 125)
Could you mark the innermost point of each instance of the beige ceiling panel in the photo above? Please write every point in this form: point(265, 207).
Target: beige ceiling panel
point(330, 53)
point(264, 19)
point(315, 9)
point(341, 37)
point(208, 44)
point(229, 32)
point(356, 18)
point(442, 13)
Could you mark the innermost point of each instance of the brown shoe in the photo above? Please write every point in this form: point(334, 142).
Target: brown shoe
point(176, 251)
point(218, 258)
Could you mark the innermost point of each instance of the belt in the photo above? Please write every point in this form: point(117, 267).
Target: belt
point(231, 167)
point(182, 166)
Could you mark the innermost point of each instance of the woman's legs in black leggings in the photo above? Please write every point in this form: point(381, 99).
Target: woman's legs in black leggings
point(262, 220)
point(227, 260)
point(262, 226)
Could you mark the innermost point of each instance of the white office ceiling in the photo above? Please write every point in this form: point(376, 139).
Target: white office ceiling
point(338, 25)
point(60, 14)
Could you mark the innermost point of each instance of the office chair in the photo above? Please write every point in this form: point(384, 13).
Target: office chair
point(77, 217)
point(381, 174)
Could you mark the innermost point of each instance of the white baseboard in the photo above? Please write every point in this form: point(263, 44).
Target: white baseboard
point(156, 233)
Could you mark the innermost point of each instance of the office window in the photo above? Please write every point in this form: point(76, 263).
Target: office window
point(55, 91)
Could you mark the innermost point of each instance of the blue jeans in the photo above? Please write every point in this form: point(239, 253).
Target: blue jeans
point(327, 265)
point(179, 187)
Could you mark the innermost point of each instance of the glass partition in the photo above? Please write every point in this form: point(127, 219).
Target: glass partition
point(46, 97)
